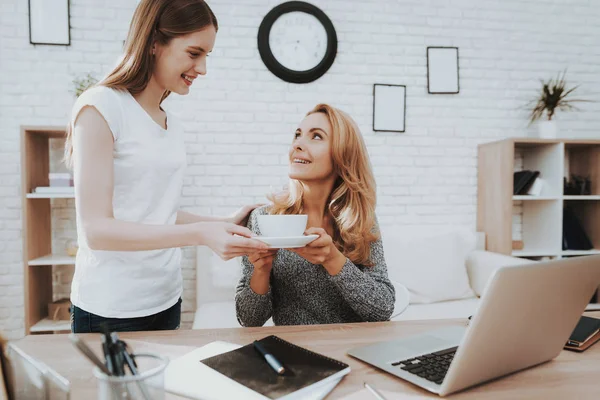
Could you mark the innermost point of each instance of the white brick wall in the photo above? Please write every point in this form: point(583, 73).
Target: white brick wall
point(239, 119)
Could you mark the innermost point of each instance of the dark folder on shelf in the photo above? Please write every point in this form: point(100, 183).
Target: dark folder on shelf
point(574, 235)
point(522, 181)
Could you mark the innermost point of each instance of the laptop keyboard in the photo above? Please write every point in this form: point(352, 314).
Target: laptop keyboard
point(432, 367)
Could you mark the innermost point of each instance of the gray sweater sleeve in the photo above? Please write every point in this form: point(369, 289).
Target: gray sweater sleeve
point(368, 290)
point(252, 309)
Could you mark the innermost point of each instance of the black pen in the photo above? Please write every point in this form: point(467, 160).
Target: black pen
point(270, 358)
point(130, 362)
point(107, 355)
point(119, 360)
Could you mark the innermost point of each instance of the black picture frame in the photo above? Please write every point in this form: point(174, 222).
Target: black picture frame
point(429, 72)
point(383, 124)
point(35, 41)
point(269, 59)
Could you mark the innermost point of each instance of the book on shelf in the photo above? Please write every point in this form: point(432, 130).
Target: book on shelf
point(574, 235)
point(523, 181)
point(536, 187)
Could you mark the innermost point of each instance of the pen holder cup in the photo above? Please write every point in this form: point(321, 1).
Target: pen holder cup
point(148, 384)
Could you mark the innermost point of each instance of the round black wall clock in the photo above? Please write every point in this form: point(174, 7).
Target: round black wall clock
point(297, 42)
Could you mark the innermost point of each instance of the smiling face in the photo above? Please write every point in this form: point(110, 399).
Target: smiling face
point(181, 60)
point(310, 153)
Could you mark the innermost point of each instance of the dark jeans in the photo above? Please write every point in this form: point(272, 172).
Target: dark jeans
point(85, 322)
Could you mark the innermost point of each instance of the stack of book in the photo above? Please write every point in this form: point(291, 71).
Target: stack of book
point(586, 333)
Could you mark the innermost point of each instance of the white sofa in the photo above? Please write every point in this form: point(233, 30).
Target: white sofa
point(442, 271)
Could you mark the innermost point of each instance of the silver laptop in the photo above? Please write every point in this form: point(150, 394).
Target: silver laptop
point(525, 317)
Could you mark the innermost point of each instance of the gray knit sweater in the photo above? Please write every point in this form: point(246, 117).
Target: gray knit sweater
point(302, 293)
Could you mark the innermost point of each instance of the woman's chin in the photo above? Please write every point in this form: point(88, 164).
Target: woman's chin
point(298, 176)
point(182, 91)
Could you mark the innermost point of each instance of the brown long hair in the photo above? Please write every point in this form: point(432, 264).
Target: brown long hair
point(352, 201)
point(153, 21)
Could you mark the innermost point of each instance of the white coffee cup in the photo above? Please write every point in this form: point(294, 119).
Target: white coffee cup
point(282, 225)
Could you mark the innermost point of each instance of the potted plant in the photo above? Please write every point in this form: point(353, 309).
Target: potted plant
point(554, 96)
point(84, 83)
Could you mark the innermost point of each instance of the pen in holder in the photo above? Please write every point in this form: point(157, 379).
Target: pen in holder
point(147, 384)
point(147, 371)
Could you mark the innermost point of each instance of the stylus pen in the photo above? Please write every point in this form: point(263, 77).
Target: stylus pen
point(270, 358)
point(375, 393)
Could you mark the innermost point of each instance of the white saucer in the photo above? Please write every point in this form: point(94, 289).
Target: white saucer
point(287, 242)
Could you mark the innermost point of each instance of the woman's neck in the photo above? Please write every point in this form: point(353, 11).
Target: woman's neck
point(315, 199)
point(150, 97)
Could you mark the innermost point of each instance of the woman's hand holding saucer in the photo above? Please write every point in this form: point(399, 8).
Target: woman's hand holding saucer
point(260, 281)
point(322, 251)
point(263, 260)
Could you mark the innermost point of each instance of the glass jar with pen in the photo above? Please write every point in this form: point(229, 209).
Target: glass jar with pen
point(146, 385)
point(145, 380)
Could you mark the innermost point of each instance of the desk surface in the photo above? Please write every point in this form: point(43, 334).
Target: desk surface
point(570, 375)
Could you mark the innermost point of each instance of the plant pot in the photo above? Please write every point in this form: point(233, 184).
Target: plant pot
point(547, 129)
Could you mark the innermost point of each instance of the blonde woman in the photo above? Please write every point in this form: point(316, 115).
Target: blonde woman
point(341, 276)
point(128, 159)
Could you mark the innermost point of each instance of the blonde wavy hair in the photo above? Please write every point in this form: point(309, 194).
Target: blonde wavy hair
point(351, 204)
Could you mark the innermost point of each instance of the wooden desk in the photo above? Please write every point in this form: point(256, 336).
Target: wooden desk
point(570, 375)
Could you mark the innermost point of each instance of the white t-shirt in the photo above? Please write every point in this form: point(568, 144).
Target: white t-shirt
point(149, 164)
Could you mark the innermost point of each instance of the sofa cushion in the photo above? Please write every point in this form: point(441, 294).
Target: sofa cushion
point(482, 265)
point(402, 298)
point(444, 310)
point(430, 263)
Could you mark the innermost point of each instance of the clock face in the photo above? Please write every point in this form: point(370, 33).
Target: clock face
point(298, 41)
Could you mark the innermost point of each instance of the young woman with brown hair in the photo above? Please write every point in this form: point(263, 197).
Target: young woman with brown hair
point(128, 158)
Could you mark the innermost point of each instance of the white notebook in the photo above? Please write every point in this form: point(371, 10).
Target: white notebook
point(187, 376)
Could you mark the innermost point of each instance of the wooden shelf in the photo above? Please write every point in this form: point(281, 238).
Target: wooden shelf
point(50, 195)
point(593, 307)
point(580, 252)
point(537, 221)
point(529, 197)
point(52, 259)
point(48, 325)
point(594, 197)
point(37, 229)
point(540, 219)
point(534, 253)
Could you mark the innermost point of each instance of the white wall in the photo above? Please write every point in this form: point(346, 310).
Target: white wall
point(240, 118)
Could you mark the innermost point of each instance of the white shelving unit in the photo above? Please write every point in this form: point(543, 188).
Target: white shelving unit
point(52, 259)
point(582, 198)
point(534, 198)
point(535, 253)
point(542, 215)
point(569, 253)
point(50, 196)
point(37, 229)
point(48, 325)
